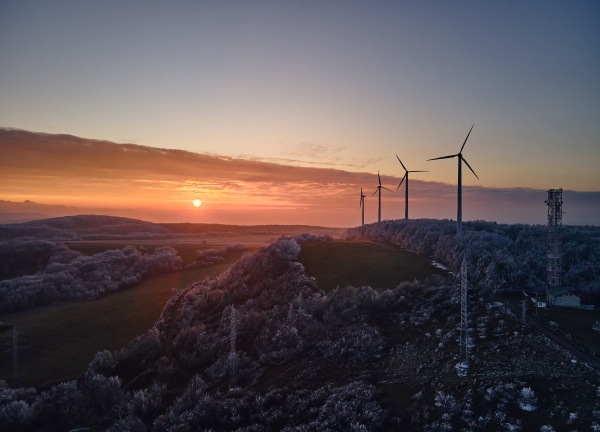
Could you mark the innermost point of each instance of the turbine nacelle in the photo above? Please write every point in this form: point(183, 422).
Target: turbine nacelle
point(461, 159)
point(380, 186)
point(405, 172)
point(458, 155)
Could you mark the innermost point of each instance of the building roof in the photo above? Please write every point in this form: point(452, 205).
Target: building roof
point(556, 291)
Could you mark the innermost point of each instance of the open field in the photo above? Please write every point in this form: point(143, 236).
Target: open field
point(576, 325)
point(57, 342)
point(358, 263)
point(572, 328)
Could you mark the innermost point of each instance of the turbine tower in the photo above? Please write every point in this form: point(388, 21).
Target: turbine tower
point(362, 205)
point(461, 159)
point(379, 190)
point(406, 194)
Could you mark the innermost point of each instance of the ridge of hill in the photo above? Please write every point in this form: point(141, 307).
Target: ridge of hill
point(101, 227)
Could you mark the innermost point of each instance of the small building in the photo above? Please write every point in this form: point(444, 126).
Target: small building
point(561, 296)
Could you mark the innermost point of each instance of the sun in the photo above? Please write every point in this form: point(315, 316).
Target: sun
point(197, 203)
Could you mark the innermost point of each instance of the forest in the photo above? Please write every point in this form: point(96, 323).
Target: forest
point(501, 257)
point(355, 359)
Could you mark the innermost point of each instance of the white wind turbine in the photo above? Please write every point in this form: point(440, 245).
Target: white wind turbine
point(461, 159)
point(406, 194)
point(379, 190)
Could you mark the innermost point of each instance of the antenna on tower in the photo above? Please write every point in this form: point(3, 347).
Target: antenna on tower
point(554, 242)
point(233, 363)
point(463, 365)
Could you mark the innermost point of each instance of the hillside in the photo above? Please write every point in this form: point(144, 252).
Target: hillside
point(98, 227)
point(354, 359)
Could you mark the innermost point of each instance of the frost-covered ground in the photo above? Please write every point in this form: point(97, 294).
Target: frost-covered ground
point(354, 359)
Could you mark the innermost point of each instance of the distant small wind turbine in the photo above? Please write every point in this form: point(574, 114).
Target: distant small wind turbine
point(461, 159)
point(406, 195)
point(379, 190)
point(362, 204)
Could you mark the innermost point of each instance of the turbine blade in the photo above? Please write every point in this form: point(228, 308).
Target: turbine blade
point(401, 163)
point(443, 157)
point(417, 171)
point(375, 191)
point(401, 181)
point(387, 189)
point(379, 177)
point(465, 161)
point(463, 146)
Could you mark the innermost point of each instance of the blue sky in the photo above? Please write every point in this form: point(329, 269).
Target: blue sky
point(333, 84)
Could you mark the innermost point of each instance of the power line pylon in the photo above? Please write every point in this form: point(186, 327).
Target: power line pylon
point(463, 365)
point(233, 363)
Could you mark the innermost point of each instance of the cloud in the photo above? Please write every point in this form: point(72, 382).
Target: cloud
point(311, 150)
point(158, 184)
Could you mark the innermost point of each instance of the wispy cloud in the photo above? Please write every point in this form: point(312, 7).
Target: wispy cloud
point(160, 183)
point(318, 155)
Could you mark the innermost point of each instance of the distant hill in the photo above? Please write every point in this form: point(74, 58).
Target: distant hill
point(15, 212)
point(100, 227)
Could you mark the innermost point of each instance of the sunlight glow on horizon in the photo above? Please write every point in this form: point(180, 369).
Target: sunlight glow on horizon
point(282, 111)
point(161, 187)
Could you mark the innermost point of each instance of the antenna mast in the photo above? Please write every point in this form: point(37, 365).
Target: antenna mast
point(232, 350)
point(463, 365)
point(15, 353)
point(554, 242)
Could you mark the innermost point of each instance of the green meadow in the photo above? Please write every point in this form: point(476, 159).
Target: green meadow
point(379, 265)
point(57, 342)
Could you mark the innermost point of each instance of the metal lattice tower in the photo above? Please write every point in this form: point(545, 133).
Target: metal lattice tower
point(463, 365)
point(553, 271)
point(15, 353)
point(232, 350)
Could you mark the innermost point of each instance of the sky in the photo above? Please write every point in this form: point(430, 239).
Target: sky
point(301, 85)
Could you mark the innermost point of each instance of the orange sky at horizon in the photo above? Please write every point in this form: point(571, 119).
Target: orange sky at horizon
point(159, 185)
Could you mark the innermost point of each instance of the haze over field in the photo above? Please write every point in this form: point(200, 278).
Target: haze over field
point(236, 104)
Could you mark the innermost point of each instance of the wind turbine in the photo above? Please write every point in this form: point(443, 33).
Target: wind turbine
point(379, 190)
point(405, 178)
point(461, 159)
point(362, 204)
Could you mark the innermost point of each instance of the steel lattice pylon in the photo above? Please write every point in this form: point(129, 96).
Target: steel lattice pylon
point(232, 350)
point(463, 364)
point(553, 254)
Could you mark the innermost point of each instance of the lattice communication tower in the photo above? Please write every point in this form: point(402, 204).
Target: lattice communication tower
point(233, 361)
point(554, 242)
point(463, 365)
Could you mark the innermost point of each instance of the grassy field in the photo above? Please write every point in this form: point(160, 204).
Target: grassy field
point(357, 263)
point(58, 342)
point(577, 324)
